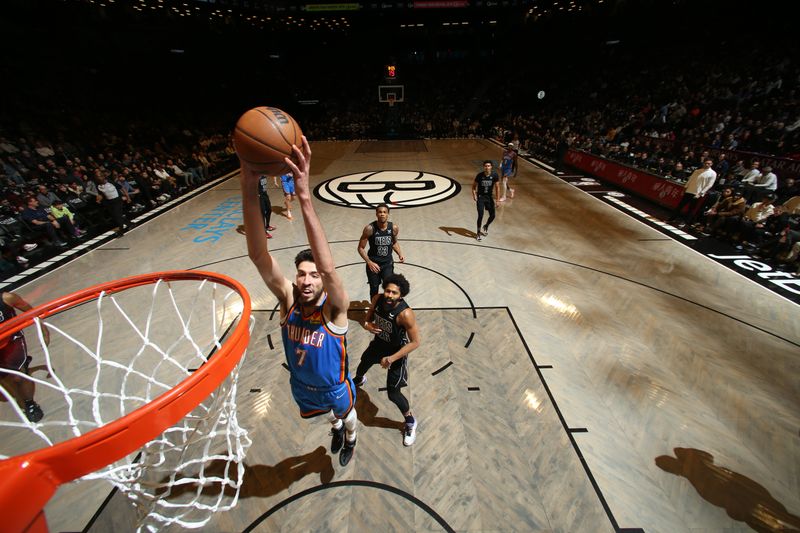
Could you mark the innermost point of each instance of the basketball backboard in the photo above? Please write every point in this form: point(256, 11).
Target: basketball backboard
point(391, 94)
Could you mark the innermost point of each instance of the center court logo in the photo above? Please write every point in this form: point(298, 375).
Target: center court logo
point(397, 188)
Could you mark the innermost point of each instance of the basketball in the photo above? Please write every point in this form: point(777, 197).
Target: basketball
point(264, 136)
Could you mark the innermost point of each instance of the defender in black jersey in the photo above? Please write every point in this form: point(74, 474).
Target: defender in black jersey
point(485, 189)
point(396, 335)
point(266, 207)
point(382, 238)
point(14, 356)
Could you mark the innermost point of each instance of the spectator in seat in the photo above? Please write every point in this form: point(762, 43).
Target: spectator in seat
point(788, 190)
point(758, 234)
point(89, 189)
point(783, 243)
point(204, 163)
point(167, 181)
point(677, 173)
point(722, 204)
point(145, 185)
point(722, 167)
point(752, 173)
point(180, 174)
point(59, 209)
point(729, 216)
point(754, 216)
point(737, 173)
point(132, 193)
point(43, 222)
point(765, 183)
point(45, 196)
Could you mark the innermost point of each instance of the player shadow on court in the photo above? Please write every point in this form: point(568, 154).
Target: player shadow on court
point(261, 481)
point(367, 411)
point(464, 232)
point(742, 498)
point(358, 310)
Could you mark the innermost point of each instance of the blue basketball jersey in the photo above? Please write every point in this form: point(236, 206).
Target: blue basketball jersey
point(507, 163)
point(316, 352)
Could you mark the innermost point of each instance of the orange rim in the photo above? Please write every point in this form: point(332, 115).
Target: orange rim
point(29, 480)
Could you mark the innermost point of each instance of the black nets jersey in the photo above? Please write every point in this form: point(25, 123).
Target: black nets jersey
point(486, 183)
point(380, 243)
point(391, 333)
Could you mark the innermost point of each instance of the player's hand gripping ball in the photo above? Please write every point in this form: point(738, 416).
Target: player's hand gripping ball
point(264, 136)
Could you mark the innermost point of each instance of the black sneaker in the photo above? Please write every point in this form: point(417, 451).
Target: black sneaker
point(347, 453)
point(337, 439)
point(478, 236)
point(33, 411)
point(360, 382)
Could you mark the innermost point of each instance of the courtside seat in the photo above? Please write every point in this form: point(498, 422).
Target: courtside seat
point(792, 205)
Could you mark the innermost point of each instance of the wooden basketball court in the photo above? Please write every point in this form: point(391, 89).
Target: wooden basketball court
point(579, 371)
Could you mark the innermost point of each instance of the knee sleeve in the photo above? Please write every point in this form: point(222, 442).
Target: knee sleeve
point(351, 424)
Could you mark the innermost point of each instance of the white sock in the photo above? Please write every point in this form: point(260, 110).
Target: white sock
point(351, 424)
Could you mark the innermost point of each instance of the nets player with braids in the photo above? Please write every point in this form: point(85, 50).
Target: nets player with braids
point(382, 238)
point(313, 310)
point(14, 356)
point(396, 335)
point(485, 189)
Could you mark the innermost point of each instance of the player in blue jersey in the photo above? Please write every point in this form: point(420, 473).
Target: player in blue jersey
point(287, 183)
point(313, 311)
point(508, 169)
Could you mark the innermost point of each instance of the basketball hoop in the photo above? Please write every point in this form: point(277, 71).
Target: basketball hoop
point(391, 100)
point(170, 396)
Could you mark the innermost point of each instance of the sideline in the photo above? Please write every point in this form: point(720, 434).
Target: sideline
point(783, 284)
point(67, 256)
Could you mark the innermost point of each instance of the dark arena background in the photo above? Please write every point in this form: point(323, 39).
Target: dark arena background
point(619, 352)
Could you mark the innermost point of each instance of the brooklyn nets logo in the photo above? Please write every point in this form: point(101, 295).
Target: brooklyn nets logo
point(396, 188)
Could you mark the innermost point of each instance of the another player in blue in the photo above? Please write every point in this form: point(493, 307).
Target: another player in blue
point(508, 169)
point(287, 183)
point(313, 311)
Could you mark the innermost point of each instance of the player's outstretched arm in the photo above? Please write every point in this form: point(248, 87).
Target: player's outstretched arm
point(338, 301)
point(257, 247)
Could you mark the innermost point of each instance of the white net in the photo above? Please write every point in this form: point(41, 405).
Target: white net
point(106, 358)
